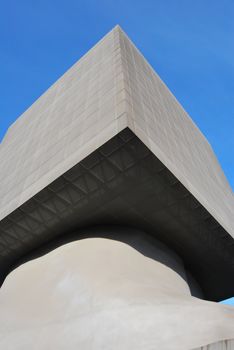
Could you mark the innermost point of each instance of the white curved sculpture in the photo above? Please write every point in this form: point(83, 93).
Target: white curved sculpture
point(99, 293)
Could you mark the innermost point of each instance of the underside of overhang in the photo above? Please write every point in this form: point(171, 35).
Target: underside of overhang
point(122, 183)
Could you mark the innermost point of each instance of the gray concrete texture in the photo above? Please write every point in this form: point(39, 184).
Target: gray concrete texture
point(100, 293)
point(112, 87)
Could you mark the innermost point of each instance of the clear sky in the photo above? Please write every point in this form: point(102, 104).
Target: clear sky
point(190, 43)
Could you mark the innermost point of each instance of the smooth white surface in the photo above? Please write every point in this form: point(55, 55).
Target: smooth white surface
point(103, 294)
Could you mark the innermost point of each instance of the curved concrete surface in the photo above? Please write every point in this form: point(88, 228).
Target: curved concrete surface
point(99, 293)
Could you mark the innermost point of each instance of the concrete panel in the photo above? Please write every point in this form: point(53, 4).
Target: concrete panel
point(161, 123)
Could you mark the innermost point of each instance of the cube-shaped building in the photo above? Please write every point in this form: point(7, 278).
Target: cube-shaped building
point(108, 144)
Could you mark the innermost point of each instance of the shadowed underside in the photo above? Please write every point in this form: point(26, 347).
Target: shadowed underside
point(123, 183)
point(109, 144)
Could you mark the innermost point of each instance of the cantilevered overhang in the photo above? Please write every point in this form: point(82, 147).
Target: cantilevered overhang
point(124, 183)
point(109, 144)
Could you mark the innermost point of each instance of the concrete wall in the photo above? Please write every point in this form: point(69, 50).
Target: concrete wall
point(157, 118)
point(100, 293)
point(110, 88)
point(80, 112)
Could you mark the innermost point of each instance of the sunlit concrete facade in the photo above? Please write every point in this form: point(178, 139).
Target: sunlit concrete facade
point(108, 144)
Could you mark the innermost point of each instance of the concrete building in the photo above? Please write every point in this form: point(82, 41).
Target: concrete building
point(117, 226)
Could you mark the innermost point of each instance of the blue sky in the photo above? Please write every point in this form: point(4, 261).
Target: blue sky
point(189, 43)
